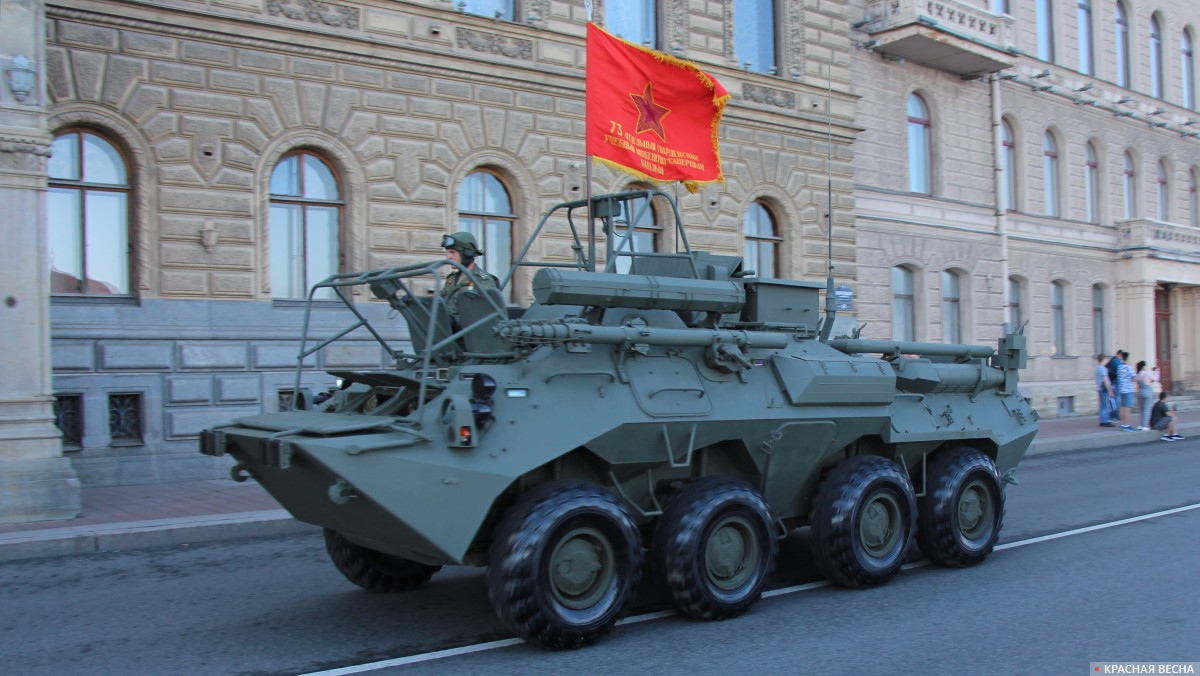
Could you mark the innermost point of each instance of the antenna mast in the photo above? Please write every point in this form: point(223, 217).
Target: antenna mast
point(830, 300)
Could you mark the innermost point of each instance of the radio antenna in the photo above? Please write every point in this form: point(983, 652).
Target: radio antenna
point(830, 299)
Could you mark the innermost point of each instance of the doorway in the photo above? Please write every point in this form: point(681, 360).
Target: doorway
point(1162, 335)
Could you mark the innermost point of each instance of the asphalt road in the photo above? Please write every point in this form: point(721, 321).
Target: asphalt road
point(1129, 592)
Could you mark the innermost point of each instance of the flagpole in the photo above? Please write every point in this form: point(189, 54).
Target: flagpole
point(587, 192)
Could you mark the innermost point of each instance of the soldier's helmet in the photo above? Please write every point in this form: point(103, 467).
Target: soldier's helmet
point(462, 242)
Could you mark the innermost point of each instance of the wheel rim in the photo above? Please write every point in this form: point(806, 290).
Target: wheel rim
point(731, 553)
point(582, 566)
point(879, 525)
point(975, 510)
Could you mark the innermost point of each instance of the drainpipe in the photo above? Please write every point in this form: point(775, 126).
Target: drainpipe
point(1001, 214)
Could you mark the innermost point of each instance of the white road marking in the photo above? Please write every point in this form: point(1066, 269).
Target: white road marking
point(495, 645)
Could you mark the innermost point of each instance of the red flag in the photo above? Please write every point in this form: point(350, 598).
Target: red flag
point(651, 114)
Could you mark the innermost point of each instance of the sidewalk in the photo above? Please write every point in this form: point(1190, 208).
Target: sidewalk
point(152, 515)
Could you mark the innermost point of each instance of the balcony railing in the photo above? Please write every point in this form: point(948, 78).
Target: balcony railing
point(1144, 234)
point(943, 34)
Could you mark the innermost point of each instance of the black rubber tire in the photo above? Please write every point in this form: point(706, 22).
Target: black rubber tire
point(962, 510)
point(599, 553)
point(699, 583)
point(375, 571)
point(864, 498)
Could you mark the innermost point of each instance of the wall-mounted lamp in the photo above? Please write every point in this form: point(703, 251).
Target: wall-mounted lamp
point(435, 30)
point(21, 76)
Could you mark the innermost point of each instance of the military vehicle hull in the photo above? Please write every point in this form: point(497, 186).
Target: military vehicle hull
point(695, 414)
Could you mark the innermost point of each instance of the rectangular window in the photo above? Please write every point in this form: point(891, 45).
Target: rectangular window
point(125, 419)
point(754, 35)
point(1098, 346)
point(68, 416)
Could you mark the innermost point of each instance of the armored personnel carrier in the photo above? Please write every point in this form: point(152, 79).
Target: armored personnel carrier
point(676, 418)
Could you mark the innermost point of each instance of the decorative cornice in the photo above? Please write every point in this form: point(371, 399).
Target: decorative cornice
point(768, 95)
point(284, 47)
point(337, 16)
point(491, 43)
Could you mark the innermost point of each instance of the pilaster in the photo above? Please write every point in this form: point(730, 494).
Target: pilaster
point(36, 481)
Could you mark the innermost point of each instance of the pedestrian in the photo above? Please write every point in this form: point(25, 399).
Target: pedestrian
point(1114, 366)
point(1145, 393)
point(1163, 418)
point(1125, 391)
point(1104, 390)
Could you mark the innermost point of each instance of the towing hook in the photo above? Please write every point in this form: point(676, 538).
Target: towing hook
point(341, 492)
point(239, 472)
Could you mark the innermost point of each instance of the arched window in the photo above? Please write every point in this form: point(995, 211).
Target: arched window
point(1156, 59)
point(496, 9)
point(1050, 172)
point(485, 210)
point(1058, 319)
point(1129, 186)
point(1098, 321)
point(1084, 17)
point(640, 213)
point(951, 307)
point(920, 173)
point(1014, 303)
point(1121, 28)
point(1044, 16)
point(1163, 191)
point(633, 20)
point(87, 214)
point(762, 241)
point(1187, 70)
point(1091, 185)
point(754, 35)
point(1008, 160)
point(903, 304)
point(305, 217)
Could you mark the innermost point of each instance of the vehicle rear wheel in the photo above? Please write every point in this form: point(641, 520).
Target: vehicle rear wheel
point(714, 547)
point(863, 521)
point(373, 570)
point(962, 510)
point(564, 563)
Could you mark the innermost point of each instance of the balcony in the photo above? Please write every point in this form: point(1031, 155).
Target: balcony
point(1144, 237)
point(944, 34)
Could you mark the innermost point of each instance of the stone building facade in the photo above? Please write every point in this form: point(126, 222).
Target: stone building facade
point(401, 106)
point(1062, 166)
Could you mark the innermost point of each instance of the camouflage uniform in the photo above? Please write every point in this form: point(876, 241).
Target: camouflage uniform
point(457, 282)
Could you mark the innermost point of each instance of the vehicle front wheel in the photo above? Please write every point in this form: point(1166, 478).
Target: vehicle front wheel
point(714, 548)
point(373, 570)
point(962, 510)
point(564, 563)
point(863, 520)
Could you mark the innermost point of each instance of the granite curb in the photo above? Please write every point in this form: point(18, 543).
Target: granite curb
point(128, 535)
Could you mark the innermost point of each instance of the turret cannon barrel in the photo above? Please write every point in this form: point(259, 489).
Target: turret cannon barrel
point(894, 347)
point(519, 331)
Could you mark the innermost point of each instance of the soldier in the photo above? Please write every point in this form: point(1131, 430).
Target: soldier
point(462, 248)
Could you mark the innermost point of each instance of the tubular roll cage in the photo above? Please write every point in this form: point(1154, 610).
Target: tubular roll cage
point(388, 284)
